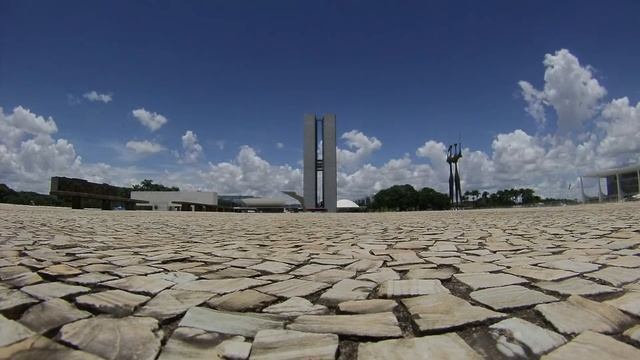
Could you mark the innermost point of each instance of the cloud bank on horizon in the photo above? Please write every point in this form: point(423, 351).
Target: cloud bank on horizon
point(592, 133)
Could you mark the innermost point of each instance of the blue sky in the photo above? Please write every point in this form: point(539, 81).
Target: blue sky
point(241, 74)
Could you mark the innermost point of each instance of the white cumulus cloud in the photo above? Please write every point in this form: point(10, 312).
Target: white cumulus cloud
point(95, 96)
point(151, 120)
point(569, 88)
point(192, 149)
point(359, 147)
point(144, 147)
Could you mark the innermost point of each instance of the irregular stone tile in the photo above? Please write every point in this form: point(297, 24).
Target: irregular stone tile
point(126, 338)
point(46, 291)
point(99, 267)
point(243, 263)
point(578, 314)
point(135, 270)
point(60, 270)
point(241, 301)
point(177, 266)
point(177, 277)
point(629, 302)
point(115, 302)
point(51, 314)
point(23, 279)
point(327, 261)
point(272, 267)
point(478, 281)
point(8, 272)
point(593, 346)
point(571, 265)
point(625, 261)
point(221, 286)
point(478, 267)
point(347, 289)
point(140, 284)
point(396, 288)
point(615, 276)
point(170, 303)
point(380, 276)
point(539, 273)
point(445, 311)
point(576, 286)
point(311, 269)
point(369, 325)
point(330, 276)
point(364, 265)
point(633, 333)
point(245, 324)
point(231, 273)
point(367, 306)
point(439, 274)
point(12, 331)
point(516, 338)
point(234, 349)
point(14, 299)
point(191, 343)
point(289, 344)
point(444, 260)
point(275, 277)
point(39, 347)
point(296, 306)
point(90, 278)
point(510, 297)
point(293, 287)
point(444, 347)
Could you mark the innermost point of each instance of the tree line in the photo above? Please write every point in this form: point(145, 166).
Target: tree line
point(407, 198)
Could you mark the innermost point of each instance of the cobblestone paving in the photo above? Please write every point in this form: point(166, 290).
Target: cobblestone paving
point(552, 283)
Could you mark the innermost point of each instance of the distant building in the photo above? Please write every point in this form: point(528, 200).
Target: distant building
point(176, 200)
point(242, 203)
point(320, 193)
point(621, 183)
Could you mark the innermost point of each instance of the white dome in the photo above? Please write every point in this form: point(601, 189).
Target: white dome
point(345, 203)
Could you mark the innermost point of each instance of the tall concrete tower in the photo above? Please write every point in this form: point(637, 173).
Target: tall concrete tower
point(320, 131)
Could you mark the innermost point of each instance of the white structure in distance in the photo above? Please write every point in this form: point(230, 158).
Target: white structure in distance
point(176, 200)
point(347, 204)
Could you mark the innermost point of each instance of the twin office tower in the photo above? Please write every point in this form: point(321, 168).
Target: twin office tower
point(320, 170)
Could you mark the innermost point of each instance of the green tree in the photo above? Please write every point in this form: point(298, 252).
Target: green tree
point(429, 199)
point(148, 185)
point(397, 197)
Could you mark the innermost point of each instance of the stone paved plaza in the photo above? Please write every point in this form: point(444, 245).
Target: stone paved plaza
point(550, 283)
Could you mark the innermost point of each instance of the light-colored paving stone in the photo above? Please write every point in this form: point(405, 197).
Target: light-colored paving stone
point(242, 300)
point(593, 346)
point(413, 287)
point(192, 343)
point(39, 347)
point(540, 273)
point(516, 338)
point(485, 280)
point(629, 302)
point(51, 290)
point(126, 338)
point(140, 284)
point(293, 287)
point(367, 306)
point(440, 347)
point(293, 345)
point(170, 303)
point(115, 302)
point(445, 311)
point(615, 276)
point(576, 286)
point(296, 306)
point(367, 325)
point(510, 297)
point(51, 314)
point(12, 331)
point(578, 314)
point(244, 324)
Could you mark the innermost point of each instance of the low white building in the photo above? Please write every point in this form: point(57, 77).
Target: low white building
point(176, 200)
